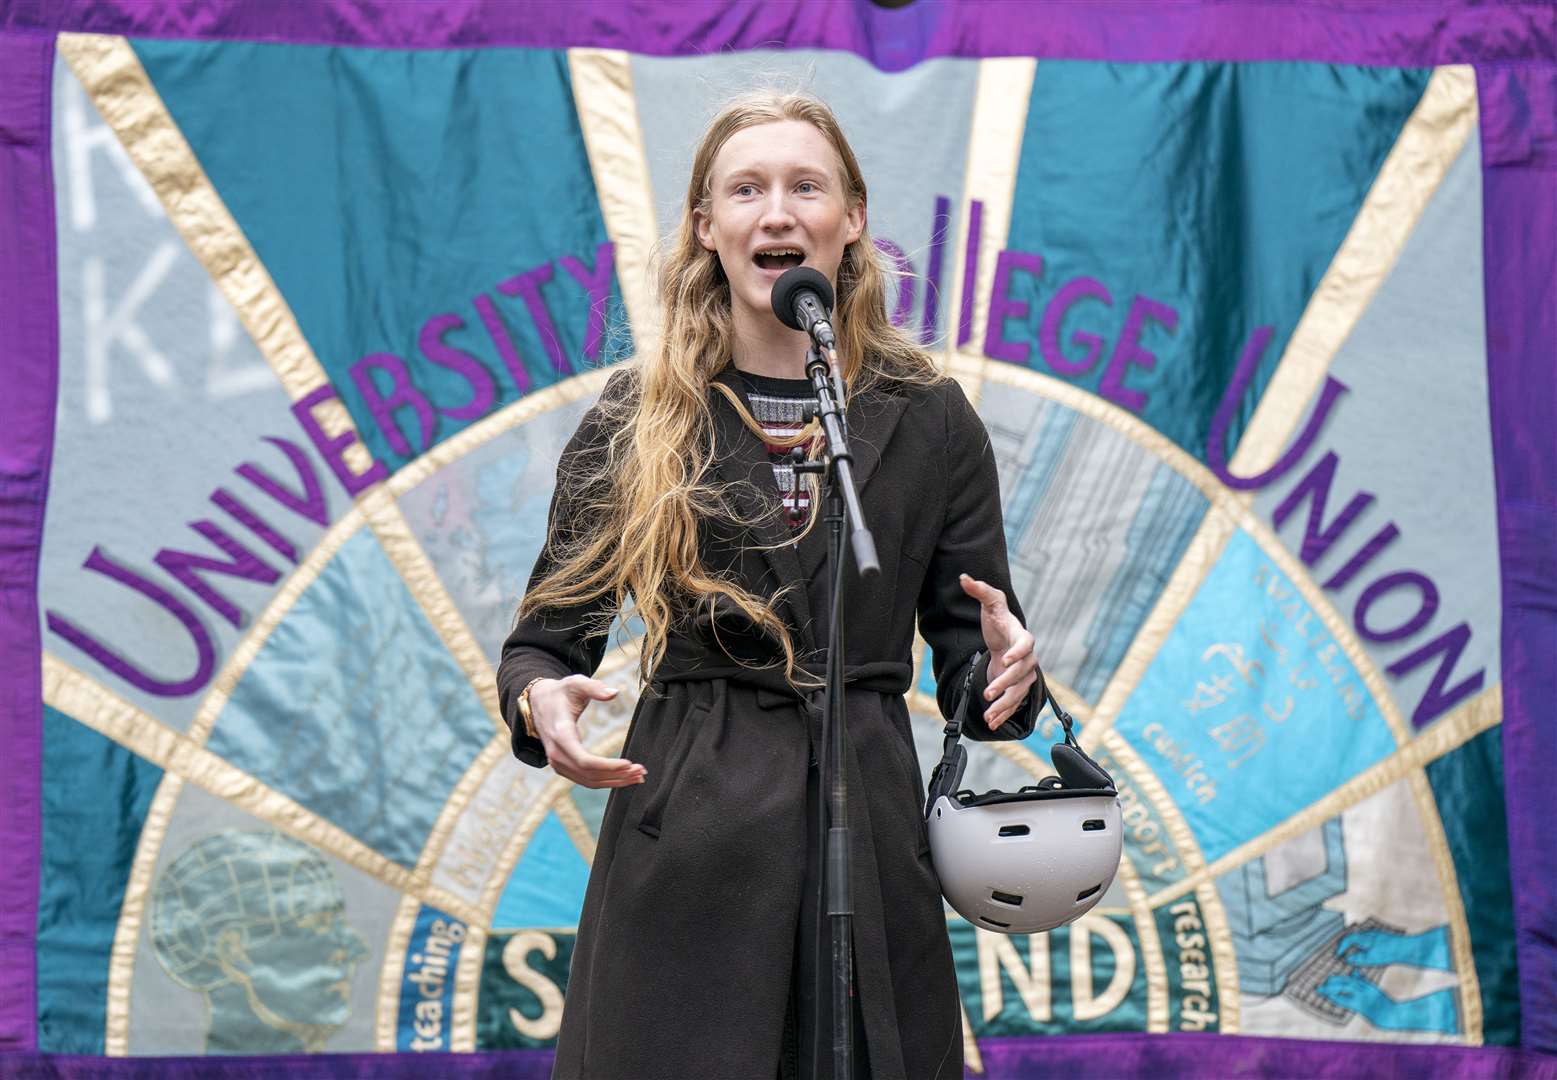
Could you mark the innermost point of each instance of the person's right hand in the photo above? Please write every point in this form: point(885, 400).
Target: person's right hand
point(555, 706)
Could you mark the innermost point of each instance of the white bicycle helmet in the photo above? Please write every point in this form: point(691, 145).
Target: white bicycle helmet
point(1026, 861)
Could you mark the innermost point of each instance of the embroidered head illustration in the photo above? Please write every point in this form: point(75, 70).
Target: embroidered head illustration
point(256, 921)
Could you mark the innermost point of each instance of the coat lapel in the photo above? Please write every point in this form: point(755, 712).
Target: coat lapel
point(872, 418)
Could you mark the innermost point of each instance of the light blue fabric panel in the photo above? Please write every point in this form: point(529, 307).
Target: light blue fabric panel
point(1255, 770)
point(354, 709)
point(482, 520)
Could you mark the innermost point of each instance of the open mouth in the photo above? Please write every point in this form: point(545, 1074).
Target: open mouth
point(779, 258)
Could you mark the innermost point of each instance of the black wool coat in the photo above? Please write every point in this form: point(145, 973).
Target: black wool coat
point(687, 940)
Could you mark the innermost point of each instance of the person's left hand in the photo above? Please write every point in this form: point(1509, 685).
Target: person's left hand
point(1013, 668)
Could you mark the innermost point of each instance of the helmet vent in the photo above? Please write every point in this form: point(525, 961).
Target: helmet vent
point(1014, 830)
point(1084, 893)
point(994, 922)
point(1005, 898)
point(1093, 825)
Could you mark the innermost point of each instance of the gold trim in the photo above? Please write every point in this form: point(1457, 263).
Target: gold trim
point(132, 911)
point(1152, 790)
point(1480, 713)
point(467, 990)
point(458, 803)
point(421, 578)
point(1469, 983)
point(124, 96)
point(613, 138)
point(100, 709)
point(1427, 146)
point(1119, 419)
point(122, 92)
point(489, 427)
point(1200, 556)
point(577, 828)
point(1157, 1005)
point(555, 792)
point(1237, 509)
point(1224, 958)
point(391, 976)
point(1000, 106)
point(253, 641)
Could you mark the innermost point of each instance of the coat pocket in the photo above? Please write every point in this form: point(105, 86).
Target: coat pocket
point(669, 771)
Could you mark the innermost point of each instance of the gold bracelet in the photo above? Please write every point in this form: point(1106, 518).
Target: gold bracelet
point(524, 708)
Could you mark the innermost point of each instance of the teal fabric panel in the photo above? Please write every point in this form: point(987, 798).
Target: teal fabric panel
point(1468, 787)
point(1181, 184)
point(96, 795)
point(382, 189)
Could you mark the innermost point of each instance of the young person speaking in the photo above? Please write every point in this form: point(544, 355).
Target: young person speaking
point(696, 950)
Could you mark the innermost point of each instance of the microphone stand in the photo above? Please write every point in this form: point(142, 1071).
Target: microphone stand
point(842, 501)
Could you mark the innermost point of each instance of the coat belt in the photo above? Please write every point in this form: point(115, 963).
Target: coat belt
point(772, 692)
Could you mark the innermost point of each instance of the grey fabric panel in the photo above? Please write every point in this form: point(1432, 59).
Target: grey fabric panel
point(149, 382)
point(1413, 431)
point(909, 131)
point(1094, 526)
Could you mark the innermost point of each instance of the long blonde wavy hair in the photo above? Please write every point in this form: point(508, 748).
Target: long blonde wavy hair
point(635, 503)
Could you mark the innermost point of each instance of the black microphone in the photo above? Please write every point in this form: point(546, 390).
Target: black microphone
point(803, 300)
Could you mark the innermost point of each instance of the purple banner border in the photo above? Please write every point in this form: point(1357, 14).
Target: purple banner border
point(1512, 44)
point(29, 317)
point(1519, 237)
point(1188, 1055)
point(1387, 32)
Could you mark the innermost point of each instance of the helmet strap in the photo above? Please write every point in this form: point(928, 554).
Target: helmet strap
point(946, 778)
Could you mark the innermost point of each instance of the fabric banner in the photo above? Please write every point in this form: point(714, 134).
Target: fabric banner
point(302, 302)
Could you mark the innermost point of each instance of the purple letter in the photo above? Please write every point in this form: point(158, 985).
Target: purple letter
point(528, 285)
point(311, 503)
point(1369, 551)
point(242, 563)
point(482, 389)
point(505, 344)
point(1128, 352)
point(333, 448)
point(597, 283)
point(258, 525)
point(1385, 584)
point(1317, 537)
point(905, 280)
point(1216, 438)
point(932, 288)
point(1002, 307)
point(402, 392)
point(1436, 701)
point(1054, 314)
point(204, 651)
point(970, 273)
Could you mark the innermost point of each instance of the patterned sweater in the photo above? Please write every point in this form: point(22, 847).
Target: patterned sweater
point(777, 405)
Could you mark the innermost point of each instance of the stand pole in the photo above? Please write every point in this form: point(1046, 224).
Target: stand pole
point(842, 504)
